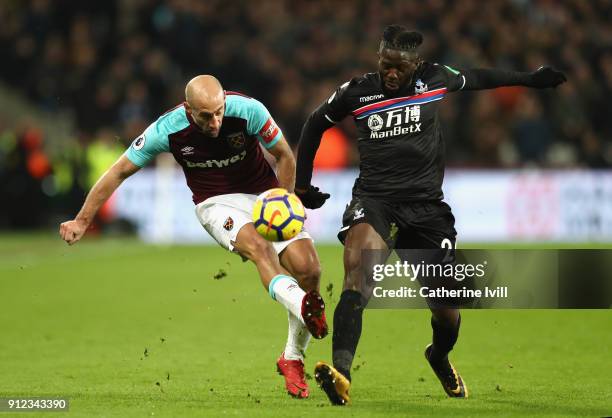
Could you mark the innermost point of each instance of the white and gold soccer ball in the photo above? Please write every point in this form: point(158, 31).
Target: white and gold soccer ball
point(278, 215)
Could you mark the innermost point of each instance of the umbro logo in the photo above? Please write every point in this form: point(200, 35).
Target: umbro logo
point(187, 150)
point(370, 98)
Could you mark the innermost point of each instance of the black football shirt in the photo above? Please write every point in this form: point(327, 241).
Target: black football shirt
point(399, 137)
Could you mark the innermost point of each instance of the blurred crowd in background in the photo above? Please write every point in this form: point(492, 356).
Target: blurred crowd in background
point(113, 66)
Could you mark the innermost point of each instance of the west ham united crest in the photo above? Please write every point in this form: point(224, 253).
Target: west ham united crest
point(229, 223)
point(236, 140)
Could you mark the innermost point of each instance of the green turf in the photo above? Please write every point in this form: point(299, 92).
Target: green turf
point(76, 321)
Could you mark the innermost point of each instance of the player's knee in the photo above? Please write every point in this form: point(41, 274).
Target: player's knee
point(355, 259)
point(446, 316)
point(359, 270)
point(263, 250)
point(307, 274)
point(352, 260)
point(258, 249)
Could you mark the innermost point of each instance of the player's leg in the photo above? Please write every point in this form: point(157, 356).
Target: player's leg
point(227, 219)
point(432, 229)
point(254, 247)
point(335, 381)
point(308, 306)
point(302, 262)
point(445, 318)
point(365, 224)
point(356, 292)
point(445, 323)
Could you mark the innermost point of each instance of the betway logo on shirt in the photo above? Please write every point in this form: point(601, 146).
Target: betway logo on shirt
point(216, 163)
point(395, 122)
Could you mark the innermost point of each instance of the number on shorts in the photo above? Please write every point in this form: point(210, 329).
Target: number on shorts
point(448, 245)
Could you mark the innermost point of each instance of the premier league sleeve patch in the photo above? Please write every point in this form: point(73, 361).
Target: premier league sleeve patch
point(139, 142)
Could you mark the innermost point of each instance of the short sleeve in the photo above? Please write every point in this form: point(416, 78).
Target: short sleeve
point(154, 140)
point(261, 124)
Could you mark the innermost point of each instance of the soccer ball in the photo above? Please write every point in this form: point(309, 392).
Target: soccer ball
point(278, 215)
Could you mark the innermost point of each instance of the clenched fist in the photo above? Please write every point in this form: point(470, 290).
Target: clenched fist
point(312, 197)
point(545, 77)
point(72, 231)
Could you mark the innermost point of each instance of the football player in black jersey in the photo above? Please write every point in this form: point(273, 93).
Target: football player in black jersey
point(397, 198)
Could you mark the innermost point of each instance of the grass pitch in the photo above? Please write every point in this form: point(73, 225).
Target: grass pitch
point(126, 329)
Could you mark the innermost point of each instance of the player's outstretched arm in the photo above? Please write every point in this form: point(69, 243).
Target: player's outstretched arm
point(310, 140)
point(72, 231)
point(542, 78)
point(285, 164)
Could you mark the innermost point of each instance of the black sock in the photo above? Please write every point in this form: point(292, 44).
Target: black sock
point(347, 330)
point(444, 338)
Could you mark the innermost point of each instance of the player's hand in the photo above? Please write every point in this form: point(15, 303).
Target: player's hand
point(72, 231)
point(545, 77)
point(312, 198)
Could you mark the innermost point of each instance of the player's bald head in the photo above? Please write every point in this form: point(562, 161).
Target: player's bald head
point(205, 102)
point(203, 90)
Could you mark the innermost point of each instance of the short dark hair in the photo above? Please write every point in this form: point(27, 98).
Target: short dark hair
point(400, 38)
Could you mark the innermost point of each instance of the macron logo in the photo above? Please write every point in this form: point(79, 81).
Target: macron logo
point(370, 98)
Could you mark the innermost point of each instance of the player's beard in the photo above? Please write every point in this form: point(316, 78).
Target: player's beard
point(401, 87)
point(392, 85)
point(213, 134)
point(208, 132)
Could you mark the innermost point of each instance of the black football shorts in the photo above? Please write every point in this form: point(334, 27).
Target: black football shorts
point(405, 225)
point(418, 232)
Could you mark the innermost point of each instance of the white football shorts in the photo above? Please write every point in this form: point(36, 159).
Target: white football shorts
point(222, 217)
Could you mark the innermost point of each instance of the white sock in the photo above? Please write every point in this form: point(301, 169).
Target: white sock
point(286, 290)
point(297, 340)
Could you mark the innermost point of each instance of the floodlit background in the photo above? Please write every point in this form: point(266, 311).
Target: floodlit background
point(80, 80)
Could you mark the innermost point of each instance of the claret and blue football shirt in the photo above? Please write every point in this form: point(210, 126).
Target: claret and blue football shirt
point(231, 163)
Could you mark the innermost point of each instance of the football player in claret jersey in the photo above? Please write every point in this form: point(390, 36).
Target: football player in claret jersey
point(397, 198)
point(216, 137)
